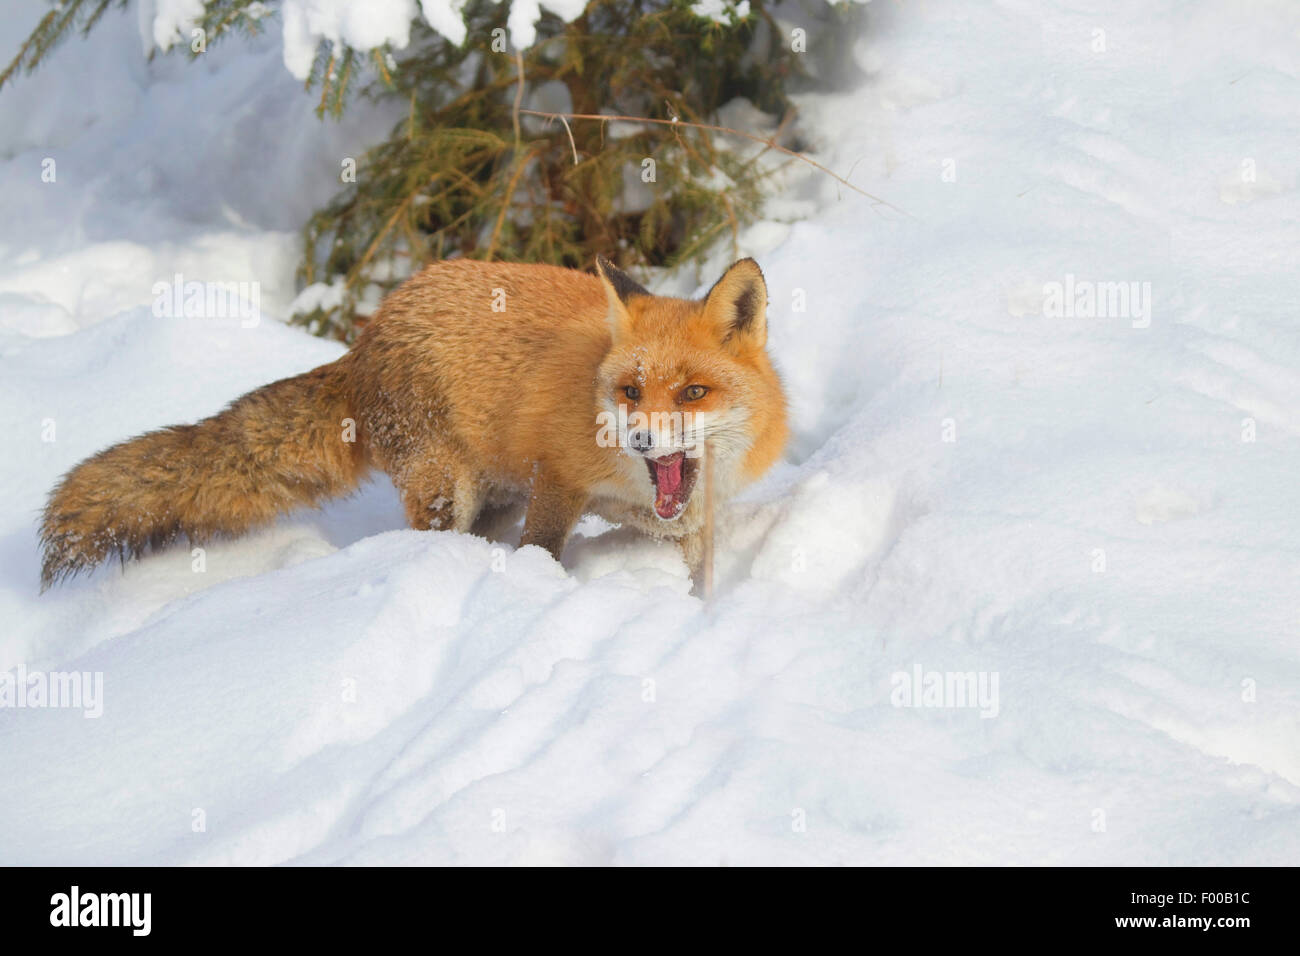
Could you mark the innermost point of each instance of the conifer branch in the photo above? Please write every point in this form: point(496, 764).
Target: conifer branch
point(766, 141)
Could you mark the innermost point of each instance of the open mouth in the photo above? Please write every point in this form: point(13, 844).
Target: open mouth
point(674, 478)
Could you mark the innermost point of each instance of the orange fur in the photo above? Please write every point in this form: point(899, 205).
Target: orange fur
point(462, 405)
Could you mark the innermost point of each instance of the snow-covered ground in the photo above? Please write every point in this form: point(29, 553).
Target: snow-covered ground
point(1094, 515)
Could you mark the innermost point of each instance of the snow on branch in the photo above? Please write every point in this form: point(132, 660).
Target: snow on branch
point(365, 25)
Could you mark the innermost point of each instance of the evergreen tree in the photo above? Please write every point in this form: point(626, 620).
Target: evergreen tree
point(467, 173)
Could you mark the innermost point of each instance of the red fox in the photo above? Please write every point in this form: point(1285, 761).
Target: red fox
point(474, 386)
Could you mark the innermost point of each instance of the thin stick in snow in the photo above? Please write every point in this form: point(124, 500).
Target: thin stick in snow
point(707, 559)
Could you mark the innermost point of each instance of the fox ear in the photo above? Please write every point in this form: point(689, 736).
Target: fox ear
point(619, 288)
point(736, 306)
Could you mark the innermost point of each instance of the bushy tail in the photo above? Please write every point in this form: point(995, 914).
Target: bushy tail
point(279, 447)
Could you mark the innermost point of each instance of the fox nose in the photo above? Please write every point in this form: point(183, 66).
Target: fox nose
point(641, 440)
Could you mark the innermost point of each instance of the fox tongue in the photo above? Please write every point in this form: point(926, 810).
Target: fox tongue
point(668, 475)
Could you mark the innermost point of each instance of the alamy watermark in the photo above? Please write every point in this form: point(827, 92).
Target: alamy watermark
point(675, 431)
point(946, 689)
point(75, 908)
point(208, 300)
point(82, 690)
point(1084, 299)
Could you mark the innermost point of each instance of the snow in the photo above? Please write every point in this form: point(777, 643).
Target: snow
point(361, 26)
point(207, 169)
point(1091, 514)
point(366, 25)
point(720, 11)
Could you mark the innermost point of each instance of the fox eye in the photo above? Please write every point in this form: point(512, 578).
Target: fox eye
point(694, 393)
point(632, 392)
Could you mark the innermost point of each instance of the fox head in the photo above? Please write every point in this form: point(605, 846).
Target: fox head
point(684, 379)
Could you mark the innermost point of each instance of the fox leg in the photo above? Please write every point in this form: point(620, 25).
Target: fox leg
point(496, 519)
point(692, 546)
point(553, 510)
point(438, 496)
